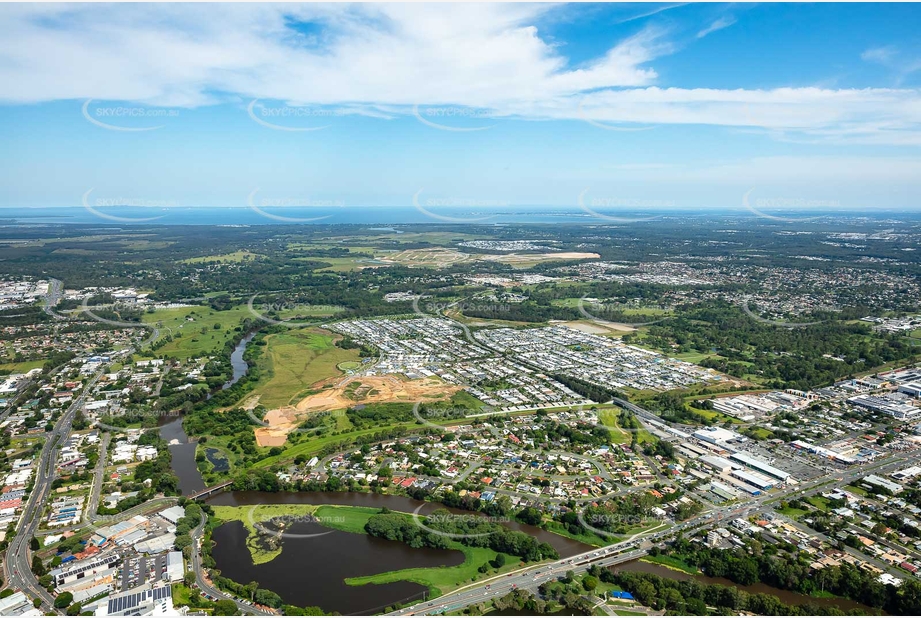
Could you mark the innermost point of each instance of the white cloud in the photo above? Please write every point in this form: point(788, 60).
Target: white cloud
point(719, 24)
point(384, 59)
point(872, 115)
point(882, 55)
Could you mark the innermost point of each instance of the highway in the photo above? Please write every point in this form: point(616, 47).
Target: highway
point(533, 576)
point(98, 474)
point(17, 566)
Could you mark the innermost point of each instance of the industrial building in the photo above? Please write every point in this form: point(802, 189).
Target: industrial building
point(174, 566)
point(756, 480)
point(717, 463)
point(879, 481)
point(715, 435)
point(761, 466)
point(723, 491)
point(143, 601)
point(886, 405)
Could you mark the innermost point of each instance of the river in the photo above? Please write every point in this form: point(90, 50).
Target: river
point(312, 571)
point(786, 596)
point(183, 451)
point(323, 562)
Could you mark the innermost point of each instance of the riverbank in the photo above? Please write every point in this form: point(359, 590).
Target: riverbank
point(352, 519)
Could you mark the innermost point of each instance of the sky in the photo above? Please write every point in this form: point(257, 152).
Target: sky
point(603, 106)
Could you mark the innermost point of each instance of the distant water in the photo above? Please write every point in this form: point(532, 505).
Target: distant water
point(130, 215)
point(386, 216)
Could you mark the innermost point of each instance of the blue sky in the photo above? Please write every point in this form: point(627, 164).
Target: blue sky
point(628, 105)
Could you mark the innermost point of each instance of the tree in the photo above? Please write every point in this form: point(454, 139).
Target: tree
point(225, 608)
point(34, 545)
point(39, 569)
point(64, 600)
point(589, 582)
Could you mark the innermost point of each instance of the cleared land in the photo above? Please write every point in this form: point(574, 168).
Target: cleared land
point(375, 389)
point(341, 394)
point(295, 360)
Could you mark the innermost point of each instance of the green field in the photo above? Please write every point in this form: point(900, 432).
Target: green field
point(609, 419)
point(293, 361)
point(21, 367)
point(236, 256)
point(439, 579)
point(671, 562)
point(249, 516)
point(193, 331)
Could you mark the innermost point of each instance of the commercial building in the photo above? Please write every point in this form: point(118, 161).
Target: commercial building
point(144, 601)
point(18, 604)
point(174, 566)
point(715, 435)
point(879, 481)
point(717, 463)
point(886, 405)
point(756, 480)
point(761, 466)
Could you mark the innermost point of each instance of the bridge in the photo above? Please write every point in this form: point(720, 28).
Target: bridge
point(204, 493)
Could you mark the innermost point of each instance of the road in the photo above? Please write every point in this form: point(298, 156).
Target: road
point(98, 477)
point(627, 550)
point(55, 289)
point(17, 567)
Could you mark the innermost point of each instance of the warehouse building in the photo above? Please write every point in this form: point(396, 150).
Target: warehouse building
point(717, 463)
point(715, 435)
point(879, 481)
point(761, 466)
point(762, 483)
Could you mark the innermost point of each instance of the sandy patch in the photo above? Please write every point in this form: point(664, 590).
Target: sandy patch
point(341, 393)
point(600, 327)
point(280, 422)
point(376, 389)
